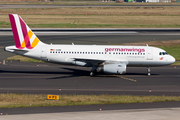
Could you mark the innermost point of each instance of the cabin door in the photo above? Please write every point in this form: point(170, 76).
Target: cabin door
point(43, 52)
point(149, 54)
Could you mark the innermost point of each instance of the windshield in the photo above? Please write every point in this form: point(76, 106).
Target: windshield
point(163, 53)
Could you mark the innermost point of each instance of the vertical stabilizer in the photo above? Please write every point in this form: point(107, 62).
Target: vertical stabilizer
point(23, 35)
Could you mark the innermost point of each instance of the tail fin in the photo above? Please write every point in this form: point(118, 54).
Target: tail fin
point(23, 36)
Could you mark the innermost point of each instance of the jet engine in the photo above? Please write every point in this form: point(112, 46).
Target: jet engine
point(116, 68)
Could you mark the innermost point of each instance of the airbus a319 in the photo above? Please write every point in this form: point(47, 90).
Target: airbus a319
point(108, 58)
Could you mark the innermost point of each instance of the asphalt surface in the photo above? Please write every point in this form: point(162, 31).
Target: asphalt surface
point(33, 78)
point(40, 78)
point(83, 108)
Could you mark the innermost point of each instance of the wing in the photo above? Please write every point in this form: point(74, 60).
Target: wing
point(100, 61)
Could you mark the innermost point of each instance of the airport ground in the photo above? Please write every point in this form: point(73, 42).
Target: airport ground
point(48, 78)
point(33, 78)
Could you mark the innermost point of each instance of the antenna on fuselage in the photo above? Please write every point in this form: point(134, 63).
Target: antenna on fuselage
point(72, 43)
point(147, 45)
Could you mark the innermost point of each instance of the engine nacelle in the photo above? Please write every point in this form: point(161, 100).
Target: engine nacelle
point(117, 68)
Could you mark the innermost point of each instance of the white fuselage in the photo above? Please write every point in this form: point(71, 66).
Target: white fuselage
point(81, 54)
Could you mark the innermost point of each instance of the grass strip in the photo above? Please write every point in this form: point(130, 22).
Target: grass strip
point(174, 51)
point(30, 100)
point(71, 25)
point(81, 2)
point(96, 17)
point(4, 24)
point(23, 59)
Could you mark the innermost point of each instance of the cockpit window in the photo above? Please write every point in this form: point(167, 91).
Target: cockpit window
point(163, 53)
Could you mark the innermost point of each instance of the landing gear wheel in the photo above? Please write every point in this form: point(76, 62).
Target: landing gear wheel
point(91, 74)
point(93, 71)
point(148, 71)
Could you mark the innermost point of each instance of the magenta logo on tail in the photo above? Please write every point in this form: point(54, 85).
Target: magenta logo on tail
point(23, 36)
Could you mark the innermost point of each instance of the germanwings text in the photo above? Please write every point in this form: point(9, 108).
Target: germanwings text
point(139, 50)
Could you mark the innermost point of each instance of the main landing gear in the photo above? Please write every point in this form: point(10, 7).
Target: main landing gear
point(148, 71)
point(93, 71)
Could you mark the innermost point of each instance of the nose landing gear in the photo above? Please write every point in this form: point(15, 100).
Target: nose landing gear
point(148, 71)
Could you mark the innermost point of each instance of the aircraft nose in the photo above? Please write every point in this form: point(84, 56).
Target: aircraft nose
point(172, 59)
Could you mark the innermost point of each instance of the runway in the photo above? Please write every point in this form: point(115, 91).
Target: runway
point(35, 78)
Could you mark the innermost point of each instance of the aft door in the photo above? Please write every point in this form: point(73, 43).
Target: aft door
point(149, 54)
point(43, 52)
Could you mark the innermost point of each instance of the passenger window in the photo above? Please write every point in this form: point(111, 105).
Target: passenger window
point(109, 52)
point(99, 52)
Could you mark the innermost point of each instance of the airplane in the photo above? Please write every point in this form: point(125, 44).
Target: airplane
point(111, 59)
